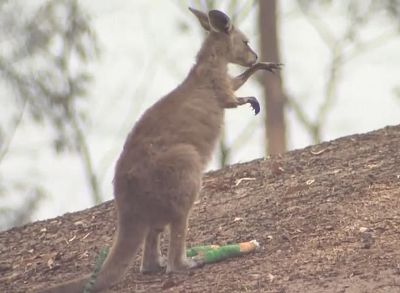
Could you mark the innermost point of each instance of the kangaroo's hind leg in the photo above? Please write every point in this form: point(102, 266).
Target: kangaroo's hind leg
point(179, 173)
point(177, 260)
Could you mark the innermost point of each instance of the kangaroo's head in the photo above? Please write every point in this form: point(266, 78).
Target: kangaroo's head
point(228, 40)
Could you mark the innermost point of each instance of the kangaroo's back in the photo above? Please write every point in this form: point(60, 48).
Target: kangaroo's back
point(190, 114)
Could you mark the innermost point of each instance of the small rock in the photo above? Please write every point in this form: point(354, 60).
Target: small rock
point(310, 181)
point(367, 240)
point(79, 223)
point(271, 277)
point(255, 276)
point(5, 267)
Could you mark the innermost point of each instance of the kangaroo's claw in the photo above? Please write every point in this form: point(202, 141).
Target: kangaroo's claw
point(254, 104)
point(271, 67)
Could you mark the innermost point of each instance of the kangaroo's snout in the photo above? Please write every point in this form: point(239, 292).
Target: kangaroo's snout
point(255, 59)
point(250, 60)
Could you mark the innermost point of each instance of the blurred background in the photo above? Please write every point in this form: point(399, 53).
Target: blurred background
point(76, 75)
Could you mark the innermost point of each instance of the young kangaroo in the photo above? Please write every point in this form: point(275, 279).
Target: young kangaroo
point(158, 174)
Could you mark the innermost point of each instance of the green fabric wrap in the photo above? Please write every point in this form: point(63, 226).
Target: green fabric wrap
point(196, 250)
point(210, 254)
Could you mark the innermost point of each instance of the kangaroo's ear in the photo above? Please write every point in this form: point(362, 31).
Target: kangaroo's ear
point(219, 21)
point(202, 17)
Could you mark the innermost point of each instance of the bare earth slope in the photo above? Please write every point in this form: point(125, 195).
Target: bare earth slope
point(327, 218)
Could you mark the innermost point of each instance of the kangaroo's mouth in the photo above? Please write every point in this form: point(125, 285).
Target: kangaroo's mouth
point(254, 62)
point(251, 63)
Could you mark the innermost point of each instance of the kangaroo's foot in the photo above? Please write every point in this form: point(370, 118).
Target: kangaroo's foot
point(155, 266)
point(184, 265)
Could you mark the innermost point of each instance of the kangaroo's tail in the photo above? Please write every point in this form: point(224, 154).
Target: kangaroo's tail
point(126, 244)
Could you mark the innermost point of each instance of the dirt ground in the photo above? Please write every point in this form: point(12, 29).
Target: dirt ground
point(327, 218)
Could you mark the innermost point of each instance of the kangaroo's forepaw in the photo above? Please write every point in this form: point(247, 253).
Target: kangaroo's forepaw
point(271, 67)
point(254, 104)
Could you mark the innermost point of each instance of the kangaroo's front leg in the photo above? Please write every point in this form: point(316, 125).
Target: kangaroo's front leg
point(233, 103)
point(239, 80)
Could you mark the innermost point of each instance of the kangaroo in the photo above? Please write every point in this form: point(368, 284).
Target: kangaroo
point(158, 174)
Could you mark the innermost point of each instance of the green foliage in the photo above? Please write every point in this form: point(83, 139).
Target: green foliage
point(20, 215)
point(97, 267)
point(45, 63)
point(344, 46)
point(397, 93)
point(357, 10)
point(44, 59)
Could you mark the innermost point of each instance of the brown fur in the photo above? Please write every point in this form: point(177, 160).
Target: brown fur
point(158, 174)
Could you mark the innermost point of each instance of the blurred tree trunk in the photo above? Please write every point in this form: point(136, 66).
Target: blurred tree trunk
point(272, 83)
